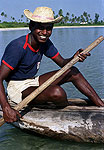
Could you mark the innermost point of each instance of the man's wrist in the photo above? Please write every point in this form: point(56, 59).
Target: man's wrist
point(5, 106)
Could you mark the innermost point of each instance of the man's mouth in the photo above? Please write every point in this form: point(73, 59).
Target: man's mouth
point(43, 37)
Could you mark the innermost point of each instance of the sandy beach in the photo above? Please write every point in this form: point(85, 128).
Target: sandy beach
point(26, 28)
point(9, 29)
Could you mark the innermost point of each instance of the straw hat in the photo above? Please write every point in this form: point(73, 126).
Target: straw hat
point(43, 15)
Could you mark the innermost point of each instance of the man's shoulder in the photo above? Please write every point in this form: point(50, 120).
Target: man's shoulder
point(18, 42)
point(16, 46)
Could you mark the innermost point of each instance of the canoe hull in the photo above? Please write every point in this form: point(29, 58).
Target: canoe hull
point(74, 123)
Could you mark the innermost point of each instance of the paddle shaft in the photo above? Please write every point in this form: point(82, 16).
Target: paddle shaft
point(41, 88)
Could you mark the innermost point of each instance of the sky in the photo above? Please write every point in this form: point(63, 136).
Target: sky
point(15, 8)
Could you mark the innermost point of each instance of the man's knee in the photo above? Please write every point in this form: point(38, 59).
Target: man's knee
point(59, 97)
point(57, 92)
point(74, 70)
point(74, 73)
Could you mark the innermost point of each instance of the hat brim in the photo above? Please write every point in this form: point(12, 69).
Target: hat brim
point(29, 15)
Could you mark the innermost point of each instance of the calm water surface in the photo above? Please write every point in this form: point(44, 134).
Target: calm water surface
point(67, 42)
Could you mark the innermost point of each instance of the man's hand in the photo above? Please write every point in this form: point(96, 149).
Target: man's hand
point(10, 115)
point(82, 56)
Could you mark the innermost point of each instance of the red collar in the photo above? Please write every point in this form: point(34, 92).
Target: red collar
point(27, 44)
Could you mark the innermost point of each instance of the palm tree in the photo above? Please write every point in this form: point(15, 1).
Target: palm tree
point(82, 18)
point(96, 18)
point(75, 18)
point(73, 15)
point(56, 16)
point(85, 15)
point(67, 14)
point(22, 17)
point(5, 15)
point(2, 14)
point(91, 21)
point(72, 19)
point(88, 17)
point(60, 13)
point(13, 18)
point(27, 20)
point(66, 18)
point(78, 19)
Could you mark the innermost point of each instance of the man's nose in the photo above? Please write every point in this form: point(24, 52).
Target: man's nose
point(44, 31)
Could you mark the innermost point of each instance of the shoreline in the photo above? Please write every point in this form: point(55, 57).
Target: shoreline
point(27, 28)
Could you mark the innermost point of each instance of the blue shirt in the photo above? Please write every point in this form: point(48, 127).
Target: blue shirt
point(23, 60)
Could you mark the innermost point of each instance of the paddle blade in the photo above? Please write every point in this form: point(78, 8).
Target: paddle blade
point(1, 121)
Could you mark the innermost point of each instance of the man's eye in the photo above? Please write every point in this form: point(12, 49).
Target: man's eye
point(41, 28)
point(49, 28)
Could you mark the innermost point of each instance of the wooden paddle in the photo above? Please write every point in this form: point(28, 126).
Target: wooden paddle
point(41, 88)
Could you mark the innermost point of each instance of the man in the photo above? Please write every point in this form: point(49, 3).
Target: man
point(20, 64)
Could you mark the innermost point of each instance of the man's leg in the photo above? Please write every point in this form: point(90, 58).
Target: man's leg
point(57, 95)
point(83, 86)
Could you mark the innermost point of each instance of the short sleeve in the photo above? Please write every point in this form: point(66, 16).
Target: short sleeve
point(50, 50)
point(12, 55)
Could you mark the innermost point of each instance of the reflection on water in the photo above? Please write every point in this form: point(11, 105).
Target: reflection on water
point(67, 41)
point(12, 138)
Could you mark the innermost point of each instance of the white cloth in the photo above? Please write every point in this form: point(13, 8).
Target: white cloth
point(15, 88)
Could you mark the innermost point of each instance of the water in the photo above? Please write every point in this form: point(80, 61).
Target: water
point(67, 41)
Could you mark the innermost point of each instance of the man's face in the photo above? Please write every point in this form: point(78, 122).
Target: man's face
point(42, 32)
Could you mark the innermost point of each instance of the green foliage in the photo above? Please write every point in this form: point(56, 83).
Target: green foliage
point(13, 24)
point(68, 20)
point(96, 18)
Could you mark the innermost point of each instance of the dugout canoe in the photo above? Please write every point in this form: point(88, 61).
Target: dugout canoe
point(77, 122)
